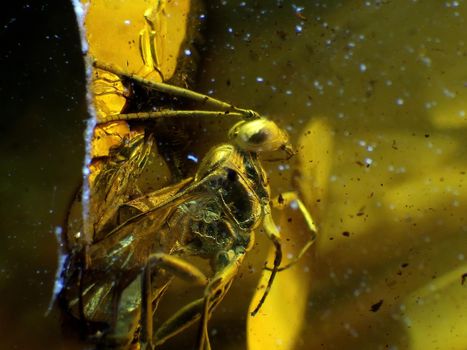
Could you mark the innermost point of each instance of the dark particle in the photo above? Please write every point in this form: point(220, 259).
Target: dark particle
point(376, 307)
point(280, 199)
point(281, 34)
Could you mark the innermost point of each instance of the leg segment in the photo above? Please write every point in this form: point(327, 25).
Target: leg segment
point(274, 235)
point(290, 200)
point(283, 201)
point(175, 266)
point(216, 290)
point(202, 308)
point(181, 320)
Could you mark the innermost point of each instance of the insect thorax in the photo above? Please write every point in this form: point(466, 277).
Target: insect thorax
point(229, 204)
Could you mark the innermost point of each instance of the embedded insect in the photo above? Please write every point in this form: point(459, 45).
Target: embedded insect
point(115, 289)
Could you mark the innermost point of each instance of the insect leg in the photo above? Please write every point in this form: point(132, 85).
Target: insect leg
point(216, 290)
point(273, 234)
point(181, 320)
point(175, 266)
point(290, 200)
point(203, 307)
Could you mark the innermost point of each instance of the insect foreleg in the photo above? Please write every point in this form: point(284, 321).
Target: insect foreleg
point(274, 235)
point(290, 200)
point(175, 266)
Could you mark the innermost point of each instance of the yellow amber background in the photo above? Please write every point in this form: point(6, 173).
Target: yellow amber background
point(113, 29)
point(361, 80)
point(374, 95)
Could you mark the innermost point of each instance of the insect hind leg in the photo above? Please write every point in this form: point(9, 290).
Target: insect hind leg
point(217, 289)
point(201, 309)
point(176, 267)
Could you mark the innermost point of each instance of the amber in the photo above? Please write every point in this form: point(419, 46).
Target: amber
point(373, 95)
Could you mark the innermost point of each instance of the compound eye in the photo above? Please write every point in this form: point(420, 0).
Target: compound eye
point(259, 135)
